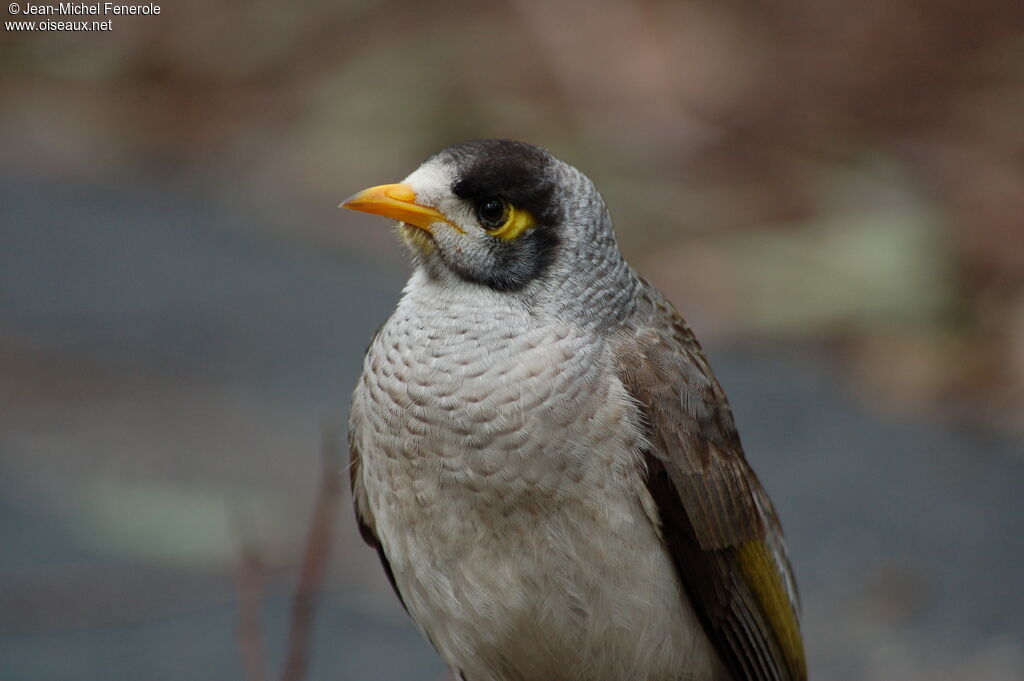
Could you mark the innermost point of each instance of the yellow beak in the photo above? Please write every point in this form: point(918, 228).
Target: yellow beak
point(396, 201)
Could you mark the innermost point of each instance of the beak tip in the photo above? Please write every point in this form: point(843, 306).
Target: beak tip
point(395, 201)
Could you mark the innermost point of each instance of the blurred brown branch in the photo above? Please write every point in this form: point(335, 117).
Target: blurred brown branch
point(251, 585)
point(251, 580)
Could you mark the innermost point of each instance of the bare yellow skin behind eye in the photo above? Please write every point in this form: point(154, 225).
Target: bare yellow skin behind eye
point(517, 221)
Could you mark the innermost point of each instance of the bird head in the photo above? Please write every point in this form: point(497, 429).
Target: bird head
point(508, 216)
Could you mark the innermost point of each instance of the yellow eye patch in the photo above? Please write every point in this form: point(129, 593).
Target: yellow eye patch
point(516, 222)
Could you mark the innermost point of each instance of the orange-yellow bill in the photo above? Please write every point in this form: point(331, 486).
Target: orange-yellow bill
point(396, 201)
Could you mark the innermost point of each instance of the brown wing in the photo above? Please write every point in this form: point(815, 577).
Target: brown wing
point(716, 519)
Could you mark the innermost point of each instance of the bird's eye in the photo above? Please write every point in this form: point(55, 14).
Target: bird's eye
point(502, 220)
point(492, 213)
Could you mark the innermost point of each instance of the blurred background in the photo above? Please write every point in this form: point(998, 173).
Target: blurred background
point(831, 192)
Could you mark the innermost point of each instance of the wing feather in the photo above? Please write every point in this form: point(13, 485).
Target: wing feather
point(716, 519)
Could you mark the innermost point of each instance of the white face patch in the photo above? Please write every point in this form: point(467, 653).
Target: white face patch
point(432, 183)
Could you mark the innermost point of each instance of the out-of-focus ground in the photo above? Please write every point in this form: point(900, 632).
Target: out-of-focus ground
point(833, 194)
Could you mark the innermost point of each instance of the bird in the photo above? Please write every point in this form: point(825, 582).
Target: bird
point(540, 453)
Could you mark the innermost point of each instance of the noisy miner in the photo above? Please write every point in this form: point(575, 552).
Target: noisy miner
point(541, 455)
